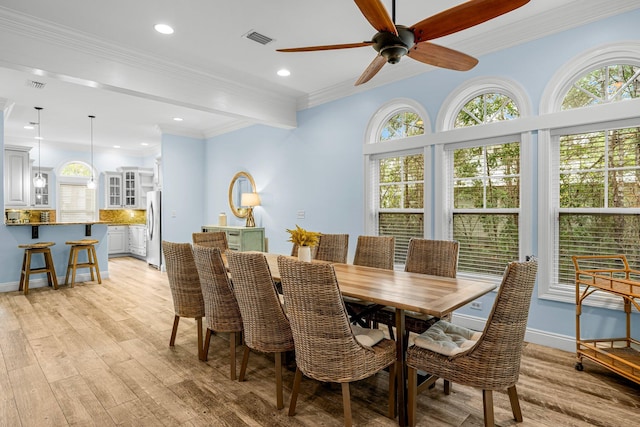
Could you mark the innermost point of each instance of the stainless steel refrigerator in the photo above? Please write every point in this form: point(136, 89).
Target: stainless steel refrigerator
point(154, 232)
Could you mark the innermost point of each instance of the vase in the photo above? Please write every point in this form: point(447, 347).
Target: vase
point(304, 253)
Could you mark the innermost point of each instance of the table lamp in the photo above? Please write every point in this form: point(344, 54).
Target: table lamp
point(250, 200)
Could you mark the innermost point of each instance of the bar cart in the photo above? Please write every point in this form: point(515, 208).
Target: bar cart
point(611, 274)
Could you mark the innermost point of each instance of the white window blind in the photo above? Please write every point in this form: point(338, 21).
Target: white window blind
point(597, 197)
point(399, 199)
point(77, 203)
point(484, 202)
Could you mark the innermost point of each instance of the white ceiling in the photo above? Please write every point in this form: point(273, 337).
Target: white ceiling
point(104, 58)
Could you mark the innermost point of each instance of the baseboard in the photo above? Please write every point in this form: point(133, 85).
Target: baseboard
point(43, 283)
point(535, 336)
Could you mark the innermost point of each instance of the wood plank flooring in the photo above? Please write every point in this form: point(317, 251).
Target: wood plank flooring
point(99, 355)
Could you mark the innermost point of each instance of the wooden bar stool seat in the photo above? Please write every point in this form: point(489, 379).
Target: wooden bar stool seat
point(37, 248)
point(92, 259)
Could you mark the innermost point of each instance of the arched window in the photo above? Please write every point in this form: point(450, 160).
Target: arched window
point(610, 83)
point(402, 125)
point(592, 178)
point(396, 193)
point(76, 202)
point(483, 179)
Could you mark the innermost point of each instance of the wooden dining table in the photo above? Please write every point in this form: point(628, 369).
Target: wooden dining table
point(404, 291)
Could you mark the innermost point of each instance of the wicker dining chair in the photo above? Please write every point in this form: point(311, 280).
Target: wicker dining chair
point(213, 239)
point(424, 256)
point(266, 327)
point(493, 361)
point(371, 251)
point(185, 287)
point(220, 305)
point(326, 348)
point(333, 248)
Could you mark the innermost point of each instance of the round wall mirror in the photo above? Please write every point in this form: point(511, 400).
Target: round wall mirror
point(242, 182)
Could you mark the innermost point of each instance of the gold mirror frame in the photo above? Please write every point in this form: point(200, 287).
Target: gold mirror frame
point(239, 211)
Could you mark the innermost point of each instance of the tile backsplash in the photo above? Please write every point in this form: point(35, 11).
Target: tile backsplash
point(124, 216)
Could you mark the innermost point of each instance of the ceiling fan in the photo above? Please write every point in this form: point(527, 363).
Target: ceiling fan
point(393, 41)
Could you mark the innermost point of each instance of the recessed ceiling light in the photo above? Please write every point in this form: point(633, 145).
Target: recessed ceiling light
point(29, 127)
point(177, 119)
point(284, 72)
point(144, 143)
point(163, 28)
point(116, 146)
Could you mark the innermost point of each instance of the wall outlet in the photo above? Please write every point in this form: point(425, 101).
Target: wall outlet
point(300, 215)
point(476, 305)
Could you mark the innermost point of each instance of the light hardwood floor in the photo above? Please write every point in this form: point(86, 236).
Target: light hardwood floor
point(99, 355)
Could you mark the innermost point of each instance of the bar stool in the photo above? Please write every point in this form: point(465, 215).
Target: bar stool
point(37, 248)
point(92, 259)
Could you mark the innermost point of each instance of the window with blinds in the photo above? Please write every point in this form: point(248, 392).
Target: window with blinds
point(400, 199)
point(77, 203)
point(484, 194)
point(597, 197)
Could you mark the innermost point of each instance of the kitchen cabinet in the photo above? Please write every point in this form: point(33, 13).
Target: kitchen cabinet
point(41, 197)
point(118, 236)
point(17, 176)
point(127, 188)
point(241, 238)
point(138, 240)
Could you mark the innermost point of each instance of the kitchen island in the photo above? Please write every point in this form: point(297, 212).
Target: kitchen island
point(15, 234)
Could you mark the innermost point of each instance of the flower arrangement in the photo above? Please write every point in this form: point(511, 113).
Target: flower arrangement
point(302, 237)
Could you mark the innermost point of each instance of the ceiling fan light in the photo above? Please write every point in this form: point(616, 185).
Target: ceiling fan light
point(393, 53)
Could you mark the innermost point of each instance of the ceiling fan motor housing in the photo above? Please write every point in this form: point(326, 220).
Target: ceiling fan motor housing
point(393, 47)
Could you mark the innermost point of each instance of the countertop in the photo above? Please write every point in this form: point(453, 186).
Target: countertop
point(56, 223)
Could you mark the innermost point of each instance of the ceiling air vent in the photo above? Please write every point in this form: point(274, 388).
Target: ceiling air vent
point(257, 37)
point(36, 85)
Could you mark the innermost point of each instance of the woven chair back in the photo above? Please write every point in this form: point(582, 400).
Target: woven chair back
point(333, 248)
point(266, 327)
point(434, 257)
point(326, 348)
point(183, 279)
point(375, 251)
point(213, 239)
point(220, 305)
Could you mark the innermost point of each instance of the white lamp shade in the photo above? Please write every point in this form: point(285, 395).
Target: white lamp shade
point(250, 199)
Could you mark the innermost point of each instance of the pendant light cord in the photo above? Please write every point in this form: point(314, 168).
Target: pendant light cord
point(92, 117)
point(39, 141)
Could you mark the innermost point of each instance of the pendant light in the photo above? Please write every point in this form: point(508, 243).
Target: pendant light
point(91, 184)
point(39, 181)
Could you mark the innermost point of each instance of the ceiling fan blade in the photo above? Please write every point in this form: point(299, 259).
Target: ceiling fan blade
point(377, 15)
point(463, 16)
point(327, 47)
point(373, 68)
point(441, 56)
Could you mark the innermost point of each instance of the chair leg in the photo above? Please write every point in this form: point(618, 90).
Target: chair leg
point(23, 271)
point(515, 403)
point(48, 260)
point(487, 403)
point(205, 348)
point(245, 361)
point(294, 392)
point(346, 403)
point(392, 390)
point(95, 263)
point(75, 266)
point(279, 398)
point(200, 345)
point(176, 320)
point(412, 395)
point(69, 266)
point(232, 355)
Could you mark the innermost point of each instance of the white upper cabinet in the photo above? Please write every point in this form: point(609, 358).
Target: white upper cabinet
point(127, 188)
point(17, 176)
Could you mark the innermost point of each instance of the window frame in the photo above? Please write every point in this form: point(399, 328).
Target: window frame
point(63, 180)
